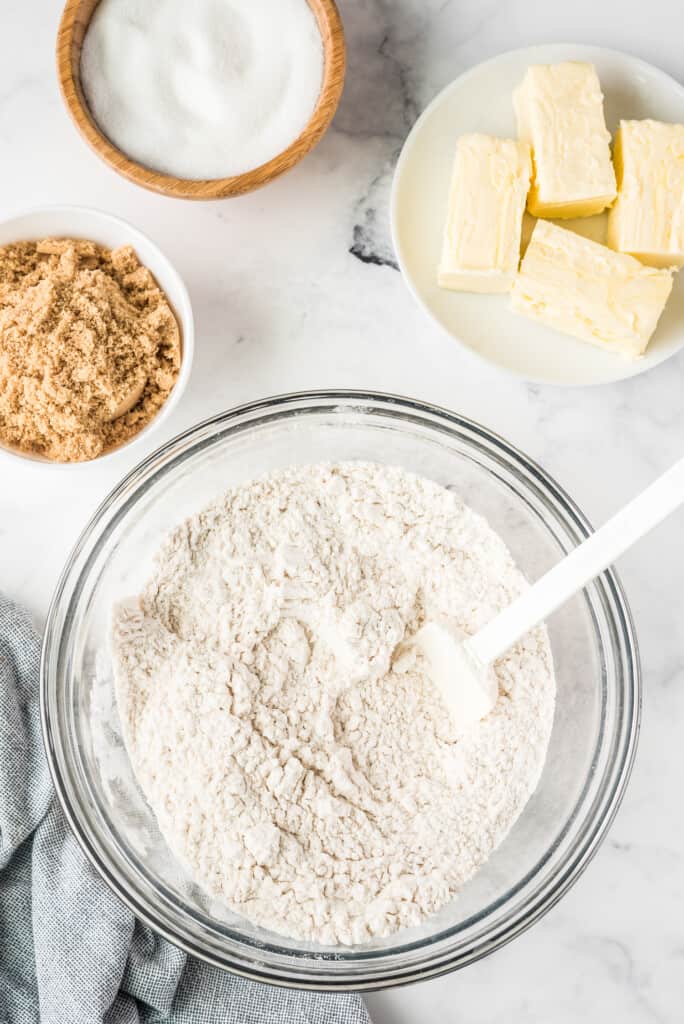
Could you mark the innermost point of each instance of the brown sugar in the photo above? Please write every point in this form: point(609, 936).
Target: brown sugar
point(89, 348)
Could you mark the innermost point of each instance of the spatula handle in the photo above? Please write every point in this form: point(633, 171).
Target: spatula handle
point(588, 560)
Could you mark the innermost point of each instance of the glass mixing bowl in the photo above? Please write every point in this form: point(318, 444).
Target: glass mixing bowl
point(598, 703)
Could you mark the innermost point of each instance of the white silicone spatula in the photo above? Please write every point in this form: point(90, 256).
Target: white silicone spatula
point(467, 665)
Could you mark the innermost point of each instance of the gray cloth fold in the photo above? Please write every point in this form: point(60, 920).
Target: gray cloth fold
point(70, 951)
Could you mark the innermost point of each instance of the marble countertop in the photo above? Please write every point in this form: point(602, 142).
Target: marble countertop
point(294, 287)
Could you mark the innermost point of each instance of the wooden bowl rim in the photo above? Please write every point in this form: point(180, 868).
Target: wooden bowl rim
point(334, 68)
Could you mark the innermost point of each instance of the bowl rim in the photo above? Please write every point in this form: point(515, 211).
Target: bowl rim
point(310, 973)
point(329, 22)
point(182, 310)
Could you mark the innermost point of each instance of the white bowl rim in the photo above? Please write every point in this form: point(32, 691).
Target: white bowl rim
point(182, 309)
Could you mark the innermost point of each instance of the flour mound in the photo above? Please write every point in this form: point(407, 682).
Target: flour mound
point(298, 760)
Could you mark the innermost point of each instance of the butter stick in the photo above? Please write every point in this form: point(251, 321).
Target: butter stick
point(589, 291)
point(481, 245)
point(648, 217)
point(559, 108)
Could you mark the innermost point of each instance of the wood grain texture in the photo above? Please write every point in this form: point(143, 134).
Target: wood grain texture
point(72, 29)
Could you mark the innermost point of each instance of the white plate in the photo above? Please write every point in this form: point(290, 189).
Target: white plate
point(480, 100)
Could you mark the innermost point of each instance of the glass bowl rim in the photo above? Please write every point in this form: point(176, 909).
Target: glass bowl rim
point(161, 462)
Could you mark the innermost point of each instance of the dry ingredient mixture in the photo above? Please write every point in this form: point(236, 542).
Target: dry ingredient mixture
point(205, 89)
point(298, 759)
point(89, 348)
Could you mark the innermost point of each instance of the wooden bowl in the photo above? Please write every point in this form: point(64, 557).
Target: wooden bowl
point(72, 29)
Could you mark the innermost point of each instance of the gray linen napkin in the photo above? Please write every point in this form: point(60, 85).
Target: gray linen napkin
point(70, 951)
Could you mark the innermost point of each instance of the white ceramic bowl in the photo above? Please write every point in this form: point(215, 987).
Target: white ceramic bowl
point(109, 231)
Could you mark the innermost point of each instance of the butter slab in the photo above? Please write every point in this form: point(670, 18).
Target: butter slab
point(559, 109)
point(585, 289)
point(647, 220)
point(481, 243)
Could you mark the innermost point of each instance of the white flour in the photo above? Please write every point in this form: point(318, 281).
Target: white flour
point(296, 756)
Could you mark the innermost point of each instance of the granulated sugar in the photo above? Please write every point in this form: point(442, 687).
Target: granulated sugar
point(287, 737)
point(202, 89)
